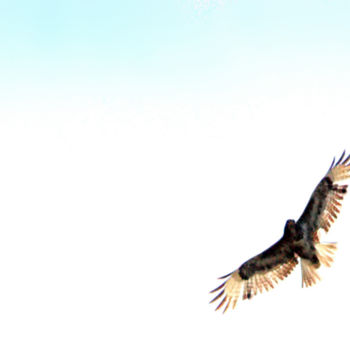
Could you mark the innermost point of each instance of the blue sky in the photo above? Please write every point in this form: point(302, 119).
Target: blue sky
point(171, 42)
point(181, 54)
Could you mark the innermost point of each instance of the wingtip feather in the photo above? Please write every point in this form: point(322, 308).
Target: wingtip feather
point(231, 291)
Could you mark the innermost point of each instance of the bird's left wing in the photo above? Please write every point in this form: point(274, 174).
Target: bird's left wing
point(260, 272)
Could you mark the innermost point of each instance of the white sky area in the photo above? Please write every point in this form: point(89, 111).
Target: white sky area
point(129, 185)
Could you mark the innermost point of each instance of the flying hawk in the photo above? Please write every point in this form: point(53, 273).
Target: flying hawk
point(300, 240)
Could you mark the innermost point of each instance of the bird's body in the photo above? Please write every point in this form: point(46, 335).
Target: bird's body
point(300, 241)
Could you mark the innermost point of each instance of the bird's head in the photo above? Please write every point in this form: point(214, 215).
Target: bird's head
point(290, 230)
point(290, 223)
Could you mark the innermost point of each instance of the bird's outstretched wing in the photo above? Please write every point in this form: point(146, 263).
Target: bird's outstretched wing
point(325, 201)
point(259, 273)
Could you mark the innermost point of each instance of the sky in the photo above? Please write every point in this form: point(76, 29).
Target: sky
point(149, 147)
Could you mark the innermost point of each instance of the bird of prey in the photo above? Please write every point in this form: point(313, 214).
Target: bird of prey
point(300, 242)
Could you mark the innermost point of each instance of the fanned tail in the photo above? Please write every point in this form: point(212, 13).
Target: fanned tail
point(309, 273)
point(325, 253)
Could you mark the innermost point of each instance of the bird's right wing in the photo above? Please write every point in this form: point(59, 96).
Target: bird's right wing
point(325, 201)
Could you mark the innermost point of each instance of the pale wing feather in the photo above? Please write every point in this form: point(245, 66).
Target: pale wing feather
point(235, 287)
point(325, 202)
point(339, 172)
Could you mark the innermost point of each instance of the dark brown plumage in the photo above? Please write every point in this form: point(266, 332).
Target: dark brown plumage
point(300, 240)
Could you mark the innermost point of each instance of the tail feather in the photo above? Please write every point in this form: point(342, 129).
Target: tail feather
point(309, 273)
point(325, 253)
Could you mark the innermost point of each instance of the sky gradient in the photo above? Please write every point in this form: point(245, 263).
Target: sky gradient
point(148, 147)
point(173, 45)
